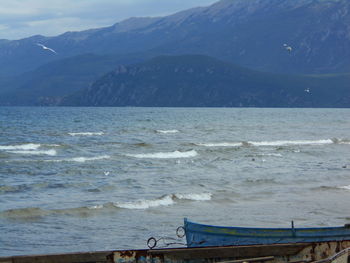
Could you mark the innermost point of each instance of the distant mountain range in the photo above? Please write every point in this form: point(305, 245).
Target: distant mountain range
point(201, 81)
point(278, 36)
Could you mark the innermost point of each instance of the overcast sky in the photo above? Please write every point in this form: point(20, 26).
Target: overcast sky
point(23, 18)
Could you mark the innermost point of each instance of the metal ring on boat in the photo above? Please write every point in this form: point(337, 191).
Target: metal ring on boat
point(180, 232)
point(152, 242)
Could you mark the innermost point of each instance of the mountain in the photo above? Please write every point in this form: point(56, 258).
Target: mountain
point(48, 84)
point(196, 81)
point(250, 33)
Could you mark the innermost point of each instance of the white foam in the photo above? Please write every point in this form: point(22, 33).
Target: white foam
point(27, 146)
point(36, 152)
point(95, 207)
point(86, 133)
point(165, 155)
point(268, 143)
point(296, 142)
point(86, 159)
point(194, 197)
point(221, 144)
point(167, 131)
point(145, 204)
point(347, 187)
point(80, 159)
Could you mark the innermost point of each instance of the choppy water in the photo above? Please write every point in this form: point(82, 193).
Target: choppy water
point(80, 179)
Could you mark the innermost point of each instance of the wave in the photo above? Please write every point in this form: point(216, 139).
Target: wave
point(194, 197)
point(86, 159)
point(86, 133)
point(347, 187)
point(331, 188)
point(271, 154)
point(145, 204)
point(167, 131)
point(36, 152)
point(81, 159)
point(24, 147)
point(165, 155)
point(275, 143)
point(221, 144)
point(165, 200)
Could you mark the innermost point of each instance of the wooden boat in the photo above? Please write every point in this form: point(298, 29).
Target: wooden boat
point(199, 235)
point(331, 251)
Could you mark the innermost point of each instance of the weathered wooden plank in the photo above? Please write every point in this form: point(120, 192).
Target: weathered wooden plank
point(89, 257)
point(232, 251)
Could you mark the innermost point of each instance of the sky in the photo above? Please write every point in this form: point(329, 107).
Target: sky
point(24, 18)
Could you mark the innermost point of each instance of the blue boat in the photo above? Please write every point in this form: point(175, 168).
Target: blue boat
point(199, 235)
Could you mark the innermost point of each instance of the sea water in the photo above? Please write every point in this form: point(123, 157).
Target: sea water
point(87, 179)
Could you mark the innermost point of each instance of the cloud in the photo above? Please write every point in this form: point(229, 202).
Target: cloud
point(23, 18)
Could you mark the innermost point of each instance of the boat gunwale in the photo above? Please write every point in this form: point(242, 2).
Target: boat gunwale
point(269, 229)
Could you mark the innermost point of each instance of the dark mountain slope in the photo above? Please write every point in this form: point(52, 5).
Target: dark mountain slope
point(250, 33)
point(48, 84)
point(196, 81)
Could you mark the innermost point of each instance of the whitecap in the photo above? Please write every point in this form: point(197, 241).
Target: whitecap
point(292, 142)
point(86, 159)
point(268, 143)
point(145, 204)
point(53, 145)
point(165, 155)
point(27, 146)
point(80, 159)
point(95, 207)
point(36, 152)
point(221, 144)
point(194, 197)
point(347, 187)
point(86, 133)
point(167, 131)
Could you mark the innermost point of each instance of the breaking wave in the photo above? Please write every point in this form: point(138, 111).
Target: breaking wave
point(86, 133)
point(275, 143)
point(145, 204)
point(36, 152)
point(24, 147)
point(86, 159)
point(194, 197)
point(165, 155)
point(82, 159)
point(347, 187)
point(166, 200)
point(167, 131)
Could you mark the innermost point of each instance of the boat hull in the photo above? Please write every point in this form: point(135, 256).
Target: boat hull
point(199, 235)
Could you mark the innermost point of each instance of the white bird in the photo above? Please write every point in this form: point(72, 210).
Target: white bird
point(46, 48)
point(287, 47)
point(307, 90)
point(106, 173)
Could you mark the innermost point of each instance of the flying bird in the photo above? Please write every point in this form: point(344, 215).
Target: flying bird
point(46, 48)
point(287, 47)
point(307, 90)
point(106, 173)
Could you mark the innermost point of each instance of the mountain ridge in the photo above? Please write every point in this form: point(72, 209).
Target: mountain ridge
point(250, 33)
point(202, 81)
